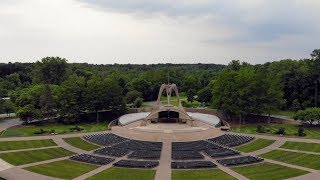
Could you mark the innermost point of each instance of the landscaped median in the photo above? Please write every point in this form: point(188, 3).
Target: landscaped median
point(15, 145)
point(31, 156)
point(200, 174)
point(255, 145)
point(301, 159)
point(291, 130)
point(268, 171)
point(80, 143)
point(124, 174)
point(65, 169)
point(302, 146)
point(35, 130)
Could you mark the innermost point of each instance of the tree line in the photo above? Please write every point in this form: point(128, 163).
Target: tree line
point(53, 87)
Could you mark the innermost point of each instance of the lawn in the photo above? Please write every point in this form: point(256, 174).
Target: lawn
point(27, 157)
point(300, 159)
point(62, 169)
point(255, 145)
point(125, 173)
point(80, 143)
point(14, 145)
point(268, 171)
point(302, 146)
point(200, 174)
point(290, 129)
point(29, 130)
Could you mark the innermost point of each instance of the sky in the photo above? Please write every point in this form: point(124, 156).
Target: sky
point(158, 31)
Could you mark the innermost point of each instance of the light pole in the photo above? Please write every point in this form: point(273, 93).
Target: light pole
point(316, 94)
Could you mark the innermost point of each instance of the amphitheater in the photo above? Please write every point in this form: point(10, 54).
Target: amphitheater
point(164, 139)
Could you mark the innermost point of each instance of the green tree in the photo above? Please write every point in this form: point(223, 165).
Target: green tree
point(205, 95)
point(97, 95)
point(138, 102)
point(131, 96)
point(309, 115)
point(48, 106)
point(190, 95)
point(51, 70)
point(71, 98)
point(28, 113)
point(8, 107)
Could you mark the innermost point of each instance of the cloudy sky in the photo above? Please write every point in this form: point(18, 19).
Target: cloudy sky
point(158, 31)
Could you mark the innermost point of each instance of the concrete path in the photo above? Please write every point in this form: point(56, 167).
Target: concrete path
point(18, 173)
point(271, 147)
point(30, 149)
point(60, 142)
point(43, 162)
point(4, 165)
point(309, 176)
point(164, 168)
point(298, 151)
point(5, 124)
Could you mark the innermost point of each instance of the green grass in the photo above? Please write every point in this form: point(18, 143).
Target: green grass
point(14, 145)
point(268, 171)
point(80, 143)
point(125, 173)
point(62, 169)
point(27, 157)
point(255, 145)
point(200, 174)
point(59, 128)
point(302, 146)
point(300, 159)
point(291, 130)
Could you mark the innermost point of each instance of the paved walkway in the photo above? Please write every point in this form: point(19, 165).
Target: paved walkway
point(5, 124)
point(164, 168)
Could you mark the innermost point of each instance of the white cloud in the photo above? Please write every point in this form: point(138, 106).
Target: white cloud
point(143, 31)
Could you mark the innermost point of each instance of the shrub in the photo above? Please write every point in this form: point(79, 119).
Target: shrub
point(260, 129)
point(301, 131)
point(281, 131)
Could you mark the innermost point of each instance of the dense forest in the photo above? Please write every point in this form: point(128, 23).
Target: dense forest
point(53, 87)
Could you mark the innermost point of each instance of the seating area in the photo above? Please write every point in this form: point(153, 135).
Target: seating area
point(145, 154)
point(136, 164)
point(112, 151)
point(87, 158)
point(231, 140)
point(140, 145)
point(105, 139)
point(239, 161)
point(193, 146)
point(186, 155)
point(221, 152)
point(192, 165)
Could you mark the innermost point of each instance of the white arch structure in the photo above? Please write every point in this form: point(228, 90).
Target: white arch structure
point(183, 115)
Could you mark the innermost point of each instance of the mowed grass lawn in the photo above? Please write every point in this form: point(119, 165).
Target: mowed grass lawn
point(14, 145)
point(301, 159)
point(302, 146)
point(29, 130)
point(290, 129)
point(80, 143)
point(200, 174)
point(125, 174)
point(62, 169)
point(255, 145)
point(268, 171)
point(26, 157)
